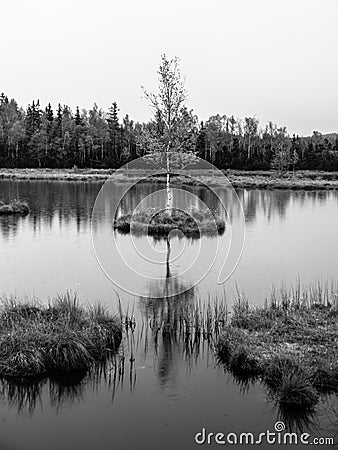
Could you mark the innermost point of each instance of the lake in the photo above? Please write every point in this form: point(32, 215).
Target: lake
point(165, 395)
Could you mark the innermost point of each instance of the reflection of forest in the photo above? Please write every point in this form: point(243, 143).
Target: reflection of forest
point(270, 203)
point(61, 203)
point(70, 203)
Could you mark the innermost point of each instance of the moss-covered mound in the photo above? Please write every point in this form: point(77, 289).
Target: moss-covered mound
point(61, 337)
point(15, 207)
point(293, 350)
point(192, 224)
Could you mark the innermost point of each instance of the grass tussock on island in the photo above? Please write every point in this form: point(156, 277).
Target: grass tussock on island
point(62, 337)
point(18, 207)
point(191, 224)
point(290, 344)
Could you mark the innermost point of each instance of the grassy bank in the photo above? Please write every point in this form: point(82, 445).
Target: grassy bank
point(301, 180)
point(308, 180)
point(56, 174)
point(15, 207)
point(162, 223)
point(62, 337)
point(291, 344)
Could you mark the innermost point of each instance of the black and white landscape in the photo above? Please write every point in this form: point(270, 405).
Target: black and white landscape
point(168, 225)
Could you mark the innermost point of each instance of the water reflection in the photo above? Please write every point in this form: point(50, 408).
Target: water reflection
point(164, 316)
point(60, 390)
point(172, 329)
point(9, 226)
point(53, 242)
point(51, 203)
point(71, 203)
point(296, 420)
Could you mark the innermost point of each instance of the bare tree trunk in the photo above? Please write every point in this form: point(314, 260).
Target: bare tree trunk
point(168, 182)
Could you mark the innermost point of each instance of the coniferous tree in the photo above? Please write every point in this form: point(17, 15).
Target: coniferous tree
point(114, 133)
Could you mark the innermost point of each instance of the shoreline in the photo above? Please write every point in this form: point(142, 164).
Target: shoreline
point(240, 179)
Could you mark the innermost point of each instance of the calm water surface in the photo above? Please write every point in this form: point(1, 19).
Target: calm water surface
point(165, 395)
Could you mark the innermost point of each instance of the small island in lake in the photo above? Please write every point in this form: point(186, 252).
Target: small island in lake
point(161, 223)
point(18, 207)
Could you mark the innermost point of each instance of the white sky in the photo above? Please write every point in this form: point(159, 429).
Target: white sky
point(275, 59)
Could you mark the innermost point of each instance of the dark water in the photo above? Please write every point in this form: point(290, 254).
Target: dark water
point(165, 395)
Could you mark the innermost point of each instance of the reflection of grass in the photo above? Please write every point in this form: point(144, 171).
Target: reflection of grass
point(162, 223)
point(63, 389)
point(62, 337)
point(291, 344)
point(15, 207)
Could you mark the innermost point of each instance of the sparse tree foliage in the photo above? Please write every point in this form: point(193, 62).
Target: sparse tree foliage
point(174, 125)
point(169, 103)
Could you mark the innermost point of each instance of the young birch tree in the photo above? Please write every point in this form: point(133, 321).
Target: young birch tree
point(169, 108)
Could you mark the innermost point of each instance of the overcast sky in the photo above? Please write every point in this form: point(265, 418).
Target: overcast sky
point(275, 59)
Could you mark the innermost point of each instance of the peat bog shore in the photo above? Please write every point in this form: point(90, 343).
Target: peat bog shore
point(300, 180)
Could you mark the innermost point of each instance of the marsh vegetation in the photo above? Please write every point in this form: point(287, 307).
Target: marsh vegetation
point(291, 343)
point(288, 346)
point(62, 337)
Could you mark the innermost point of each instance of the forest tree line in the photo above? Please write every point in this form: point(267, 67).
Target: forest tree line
point(62, 138)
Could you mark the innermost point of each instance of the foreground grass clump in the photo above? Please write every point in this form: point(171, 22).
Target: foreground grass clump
point(61, 337)
point(15, 207)
point(291, 346)
point(162, 223)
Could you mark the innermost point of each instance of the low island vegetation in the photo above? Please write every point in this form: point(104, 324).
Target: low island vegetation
point(18, 207)
point(191, 224)
point(58, 338)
